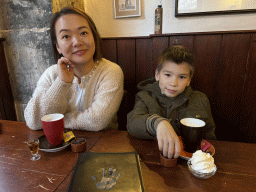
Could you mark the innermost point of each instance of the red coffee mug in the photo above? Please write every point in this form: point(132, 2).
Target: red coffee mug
point(53, 126)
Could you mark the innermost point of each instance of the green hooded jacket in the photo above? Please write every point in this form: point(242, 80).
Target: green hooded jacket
point(151, 107)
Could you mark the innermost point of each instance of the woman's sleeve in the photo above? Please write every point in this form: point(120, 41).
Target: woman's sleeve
point(50, 96)
point(105, 104)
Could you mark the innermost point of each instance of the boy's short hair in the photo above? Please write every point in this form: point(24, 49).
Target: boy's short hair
point(177, 54)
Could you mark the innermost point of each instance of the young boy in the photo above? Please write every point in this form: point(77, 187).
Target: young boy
point(164, 100)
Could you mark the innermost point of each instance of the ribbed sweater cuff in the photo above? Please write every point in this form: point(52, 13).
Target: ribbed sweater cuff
point(152, 123)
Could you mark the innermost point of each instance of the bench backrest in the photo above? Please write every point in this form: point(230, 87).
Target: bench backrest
point(225, 72)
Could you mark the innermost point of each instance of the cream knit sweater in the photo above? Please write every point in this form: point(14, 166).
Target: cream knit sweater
point(102, 93)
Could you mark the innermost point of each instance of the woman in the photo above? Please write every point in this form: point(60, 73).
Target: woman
point(83, 86)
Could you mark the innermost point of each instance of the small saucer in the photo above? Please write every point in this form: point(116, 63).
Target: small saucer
point(186, 155)
point(44, 145)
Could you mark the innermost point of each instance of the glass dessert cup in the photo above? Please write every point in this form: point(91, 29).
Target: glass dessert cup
point(33, 146)
point(200, 174)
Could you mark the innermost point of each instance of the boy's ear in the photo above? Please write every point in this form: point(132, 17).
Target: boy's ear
point(189, 81)
point(157, 75)
point(190, 78)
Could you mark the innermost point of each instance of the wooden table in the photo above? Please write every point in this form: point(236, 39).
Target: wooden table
point(236, 163)
point(19, 173)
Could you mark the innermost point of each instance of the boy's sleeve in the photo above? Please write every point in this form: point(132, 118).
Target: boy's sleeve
point(140, 123)
point(152, 123)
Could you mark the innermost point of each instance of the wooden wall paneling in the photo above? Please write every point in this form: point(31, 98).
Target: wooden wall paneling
point(248, 106)
point(7, 108)
point(206, 53)
point(230, 82)
point(109, 49)
point(185, 41)
point(126, 59)
point(225, 71)
point(158, 45)
point(144, 65)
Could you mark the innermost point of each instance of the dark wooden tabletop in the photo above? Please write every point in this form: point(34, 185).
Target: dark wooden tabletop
point(236, 163)
point(19, 173)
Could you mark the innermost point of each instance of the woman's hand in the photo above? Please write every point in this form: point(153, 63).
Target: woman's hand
point(168, 141)
point(65, 70)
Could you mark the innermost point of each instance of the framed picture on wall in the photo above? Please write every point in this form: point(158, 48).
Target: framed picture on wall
point(127, 8)
point(210, 7)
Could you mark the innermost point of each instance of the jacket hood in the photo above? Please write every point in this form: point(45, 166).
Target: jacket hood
point(147, 85)
point(152, 86)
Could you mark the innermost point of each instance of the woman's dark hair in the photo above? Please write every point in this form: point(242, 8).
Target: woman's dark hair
point(177, 54)
point(70, 10)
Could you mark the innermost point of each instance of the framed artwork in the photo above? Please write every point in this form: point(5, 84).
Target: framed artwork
point(210, 7)
point(127, 8)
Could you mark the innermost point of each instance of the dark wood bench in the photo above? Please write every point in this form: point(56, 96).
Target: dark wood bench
point(7, 108)
point(225, 72)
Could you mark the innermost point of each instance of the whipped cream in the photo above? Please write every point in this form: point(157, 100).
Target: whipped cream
point(202, 162)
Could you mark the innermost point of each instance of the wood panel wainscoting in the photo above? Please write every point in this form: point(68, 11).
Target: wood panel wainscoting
point(225, 72)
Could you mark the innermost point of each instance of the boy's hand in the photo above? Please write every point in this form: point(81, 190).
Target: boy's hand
point(168, 141)
point(65, 70)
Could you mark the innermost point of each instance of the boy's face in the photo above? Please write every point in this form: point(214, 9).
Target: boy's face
point(173, 78)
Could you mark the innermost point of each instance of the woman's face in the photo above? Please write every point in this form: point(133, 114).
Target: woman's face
point(75, 39)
